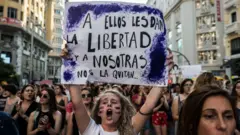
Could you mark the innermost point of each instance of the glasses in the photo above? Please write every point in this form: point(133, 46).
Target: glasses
point(86, 95)
point(188, 85)
point(44, 96)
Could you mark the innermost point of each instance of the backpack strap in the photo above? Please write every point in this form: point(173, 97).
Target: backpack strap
point(36, 113)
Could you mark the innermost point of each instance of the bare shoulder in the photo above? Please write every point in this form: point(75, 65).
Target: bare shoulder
point(57, 113)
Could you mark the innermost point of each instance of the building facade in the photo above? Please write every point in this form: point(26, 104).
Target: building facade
point(23, 38)
point(232, 36)
point(54, 64)
point(180, 22)
point(195, 28)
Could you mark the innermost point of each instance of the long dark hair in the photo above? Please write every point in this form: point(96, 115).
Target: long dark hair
point(183, 83)
point(191, 111)
point(234, 92)
point(61, 88)
point(24, 88)
point(91, 103)
point(52, 100)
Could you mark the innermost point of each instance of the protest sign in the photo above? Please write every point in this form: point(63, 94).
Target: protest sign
point(191, 71)
point(115, 43)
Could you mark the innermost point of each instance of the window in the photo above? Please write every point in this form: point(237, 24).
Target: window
point(58, 40)
point(58, 21)
point(15, 1)
point(179, 28)
point(170, 35)
point(7, 38)
point(12, 13)
point(198, 5)
point(32, 2)
point(32, 15)
point(21, 16)
point(1, 11)
point(43, 54)
point(235, 46)
point(50, 70)
point(180, 46)
point(170, 46)
point(22, 1)
point(7, 57)
point(37, 7)
point(234, 17)
point(207, 56)
point(58, 30)
point(56, 11)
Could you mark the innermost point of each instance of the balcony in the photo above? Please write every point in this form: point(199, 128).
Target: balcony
point(206, 9)
point(232, 28)
point(230, 3)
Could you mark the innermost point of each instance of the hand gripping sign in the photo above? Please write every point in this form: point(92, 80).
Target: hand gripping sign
point(115, 43)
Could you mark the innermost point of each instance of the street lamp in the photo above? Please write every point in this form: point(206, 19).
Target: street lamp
point(31, 52)
point(182, 55)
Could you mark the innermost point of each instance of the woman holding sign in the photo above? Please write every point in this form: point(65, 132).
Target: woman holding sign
point(113, 114)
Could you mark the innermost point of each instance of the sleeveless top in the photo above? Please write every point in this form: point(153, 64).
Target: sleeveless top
point(21, 123)
point(9, 107)
point(75, 127)
point(238, 118)
point(63, 112)
point(180, 104)
point(51, 121)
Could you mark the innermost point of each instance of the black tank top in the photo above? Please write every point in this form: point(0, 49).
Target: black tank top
point(75, 127)
point(51, 121)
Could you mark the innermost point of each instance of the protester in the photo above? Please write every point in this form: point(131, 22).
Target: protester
point(170, 122)
point(113, 114)
point(159, 117)
point(3, 99)
point(12, 100)
point(87, 99)
point(178, 101)
point(228, 86)
point(22, 111)
point(7, 125)
point(236, 95)
point(46, 120)
point(208, 110)
point(62, 102)
point(37, 92)
point(205, 78)
point(176, 89)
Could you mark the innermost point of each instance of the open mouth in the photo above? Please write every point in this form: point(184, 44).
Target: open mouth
point(109, 114)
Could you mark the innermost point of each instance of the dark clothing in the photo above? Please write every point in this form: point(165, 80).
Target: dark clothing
point(21, 123)
point(75, 127)
point(238, 118)
point(7, 125)
point(63, 112)
point(3, 101)
point(162, 108)
point(51, 121)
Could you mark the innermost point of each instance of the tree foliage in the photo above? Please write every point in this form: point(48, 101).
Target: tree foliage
point(7, 72)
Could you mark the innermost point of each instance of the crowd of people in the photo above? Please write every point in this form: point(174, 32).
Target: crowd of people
point(203, 106)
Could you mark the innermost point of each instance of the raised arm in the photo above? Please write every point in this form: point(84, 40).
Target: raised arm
point(175, 108)
point(81, 114)
point(147, 109)
point(70, 125)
